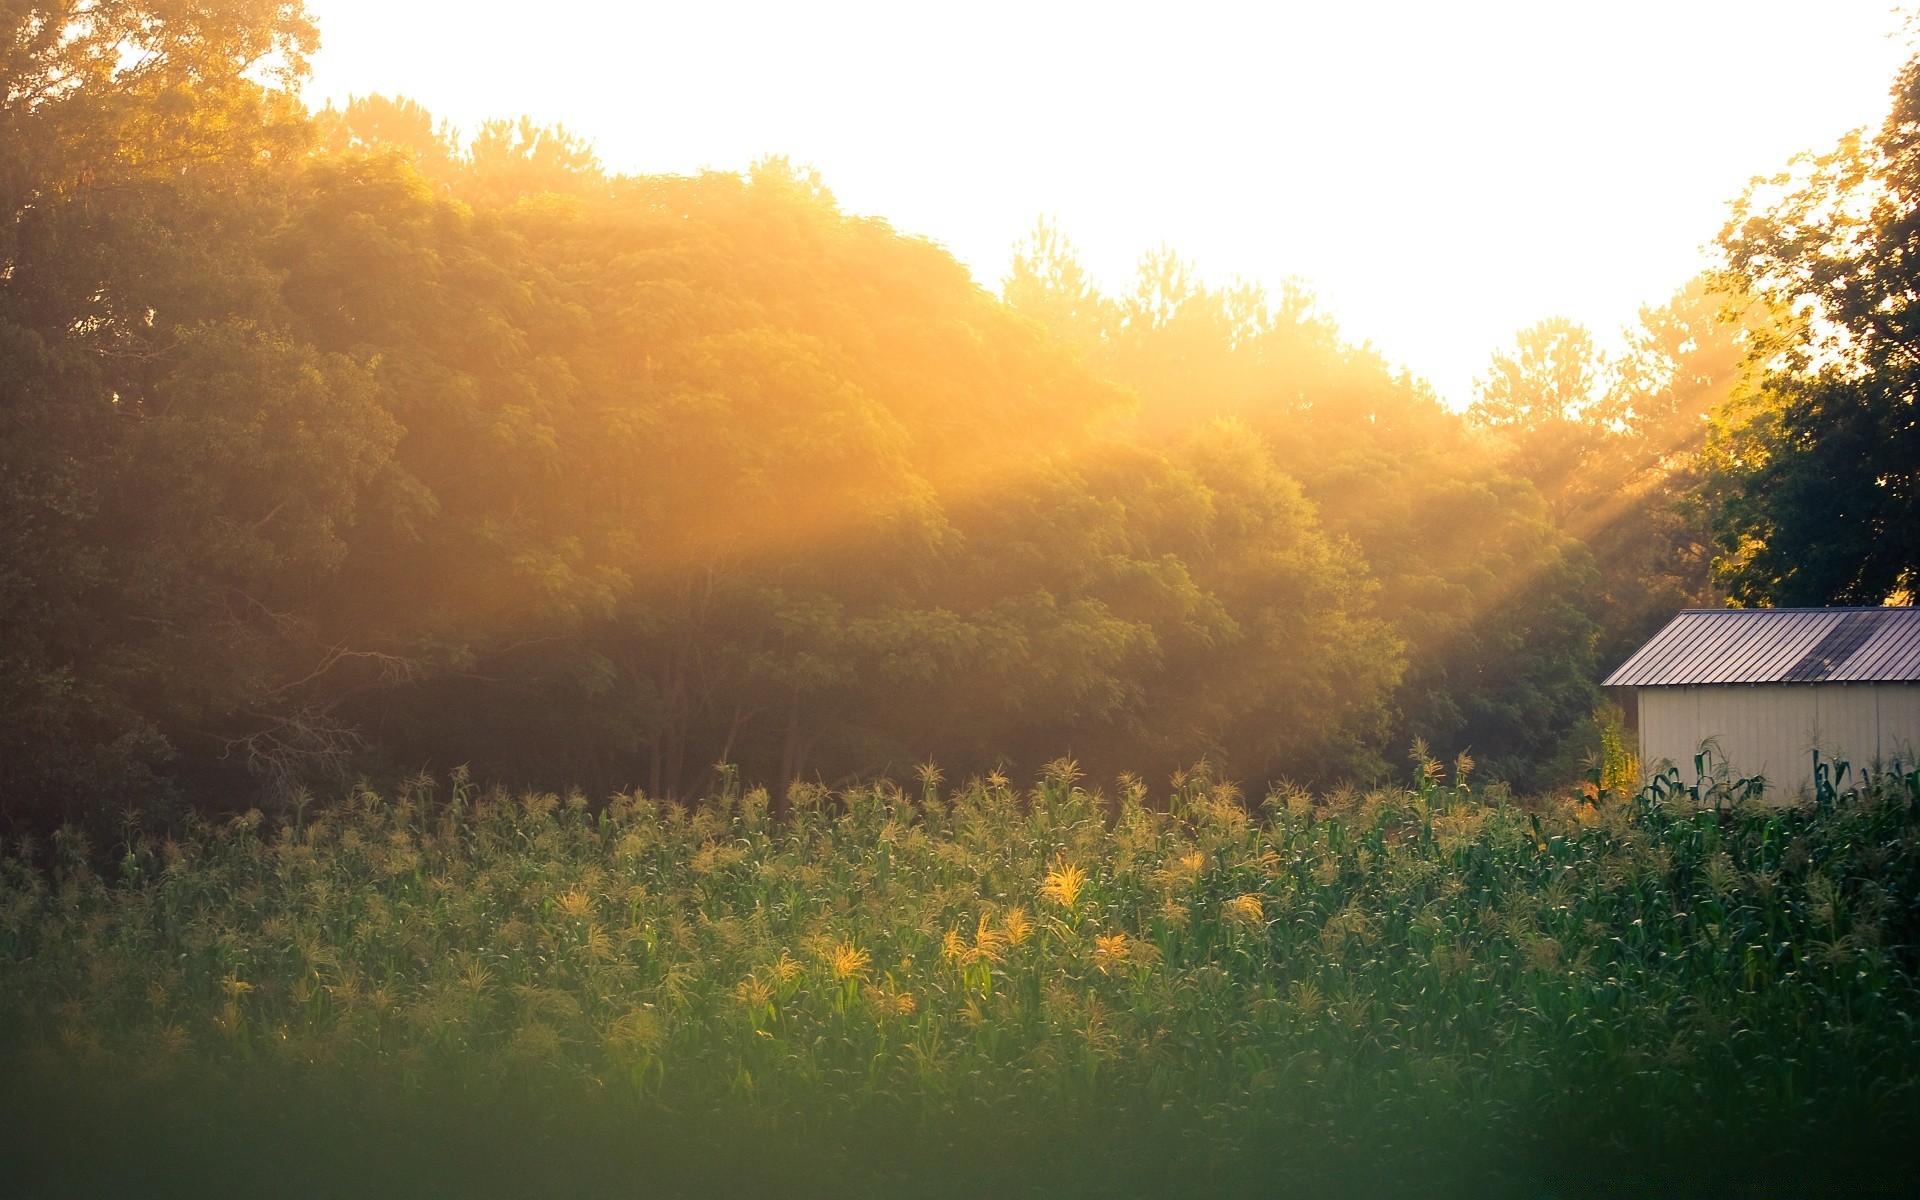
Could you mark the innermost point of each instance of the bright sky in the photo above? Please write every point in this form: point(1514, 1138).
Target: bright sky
point(1441, 174)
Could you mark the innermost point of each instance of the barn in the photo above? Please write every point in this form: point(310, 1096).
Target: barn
point(1771, 685)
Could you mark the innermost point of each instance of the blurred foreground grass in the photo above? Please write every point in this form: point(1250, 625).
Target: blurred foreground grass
point(970, 992)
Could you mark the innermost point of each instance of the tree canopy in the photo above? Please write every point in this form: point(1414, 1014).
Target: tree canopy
point(340, 442)
point(1818, 473)
point(334, 444)
point(1494, 607)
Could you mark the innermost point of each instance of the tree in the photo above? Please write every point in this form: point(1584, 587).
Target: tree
point(1490, 609)
point(328, 445)
point(179, 474)
point(1816, 483)
point(1047, 282)
point(1551, 377)
point(1542, 403)
point(1643, 515)
point(371, 124)
point(1614, 445)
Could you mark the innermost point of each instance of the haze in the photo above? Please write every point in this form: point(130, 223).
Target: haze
point(1442, 175)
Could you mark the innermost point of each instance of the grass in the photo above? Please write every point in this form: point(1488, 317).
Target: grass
point(981, 990)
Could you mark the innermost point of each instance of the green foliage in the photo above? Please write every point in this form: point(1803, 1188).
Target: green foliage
point(338, 442)
point(1549, 382)
point(1617, 445)
point(1815, 484)
point(398, 451)
point(1431, 981)
point(178, 473)
point(1495, 608)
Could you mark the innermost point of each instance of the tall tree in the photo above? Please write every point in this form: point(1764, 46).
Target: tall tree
point(1540, 401)
point(1817, 475)
point(178, 473)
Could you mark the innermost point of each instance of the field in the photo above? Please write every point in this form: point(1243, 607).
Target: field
point(970, 990)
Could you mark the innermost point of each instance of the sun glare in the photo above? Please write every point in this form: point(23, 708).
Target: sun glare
point(1442, 175)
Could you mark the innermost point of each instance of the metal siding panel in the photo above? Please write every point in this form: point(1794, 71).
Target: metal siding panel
point(1773, 754)
point(1770, 751)
point(1771, 729)
point(1666, 715)
point(1899, 710)
point(1795, 713)
point(1760, 730)
point(1847, 724)
point(1715, 719)
point(1724, 719)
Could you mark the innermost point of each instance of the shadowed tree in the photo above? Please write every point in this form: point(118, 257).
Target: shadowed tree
point(1817, 475)
point(179, 474)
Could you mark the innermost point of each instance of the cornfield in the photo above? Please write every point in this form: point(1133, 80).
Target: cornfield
point(911, 990)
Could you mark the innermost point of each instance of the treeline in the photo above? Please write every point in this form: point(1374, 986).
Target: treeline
point(331, 444)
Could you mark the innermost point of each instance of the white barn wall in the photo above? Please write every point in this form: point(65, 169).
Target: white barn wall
point(1771, 729)
point(1849, 723)
point(1899, 721)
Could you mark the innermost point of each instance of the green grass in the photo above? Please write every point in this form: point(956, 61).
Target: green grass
point(973, 991)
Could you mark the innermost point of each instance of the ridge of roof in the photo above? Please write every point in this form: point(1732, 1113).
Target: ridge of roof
point(1832, 608)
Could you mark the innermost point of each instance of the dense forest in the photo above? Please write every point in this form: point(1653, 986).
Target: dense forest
point(337, 444)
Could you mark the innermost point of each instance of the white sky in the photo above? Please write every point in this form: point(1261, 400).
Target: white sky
point(1441, 174)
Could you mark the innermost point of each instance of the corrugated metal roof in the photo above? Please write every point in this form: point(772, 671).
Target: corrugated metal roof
point(1778, 645)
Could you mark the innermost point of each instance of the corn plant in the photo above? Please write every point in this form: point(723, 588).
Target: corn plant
point(1563, 978)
